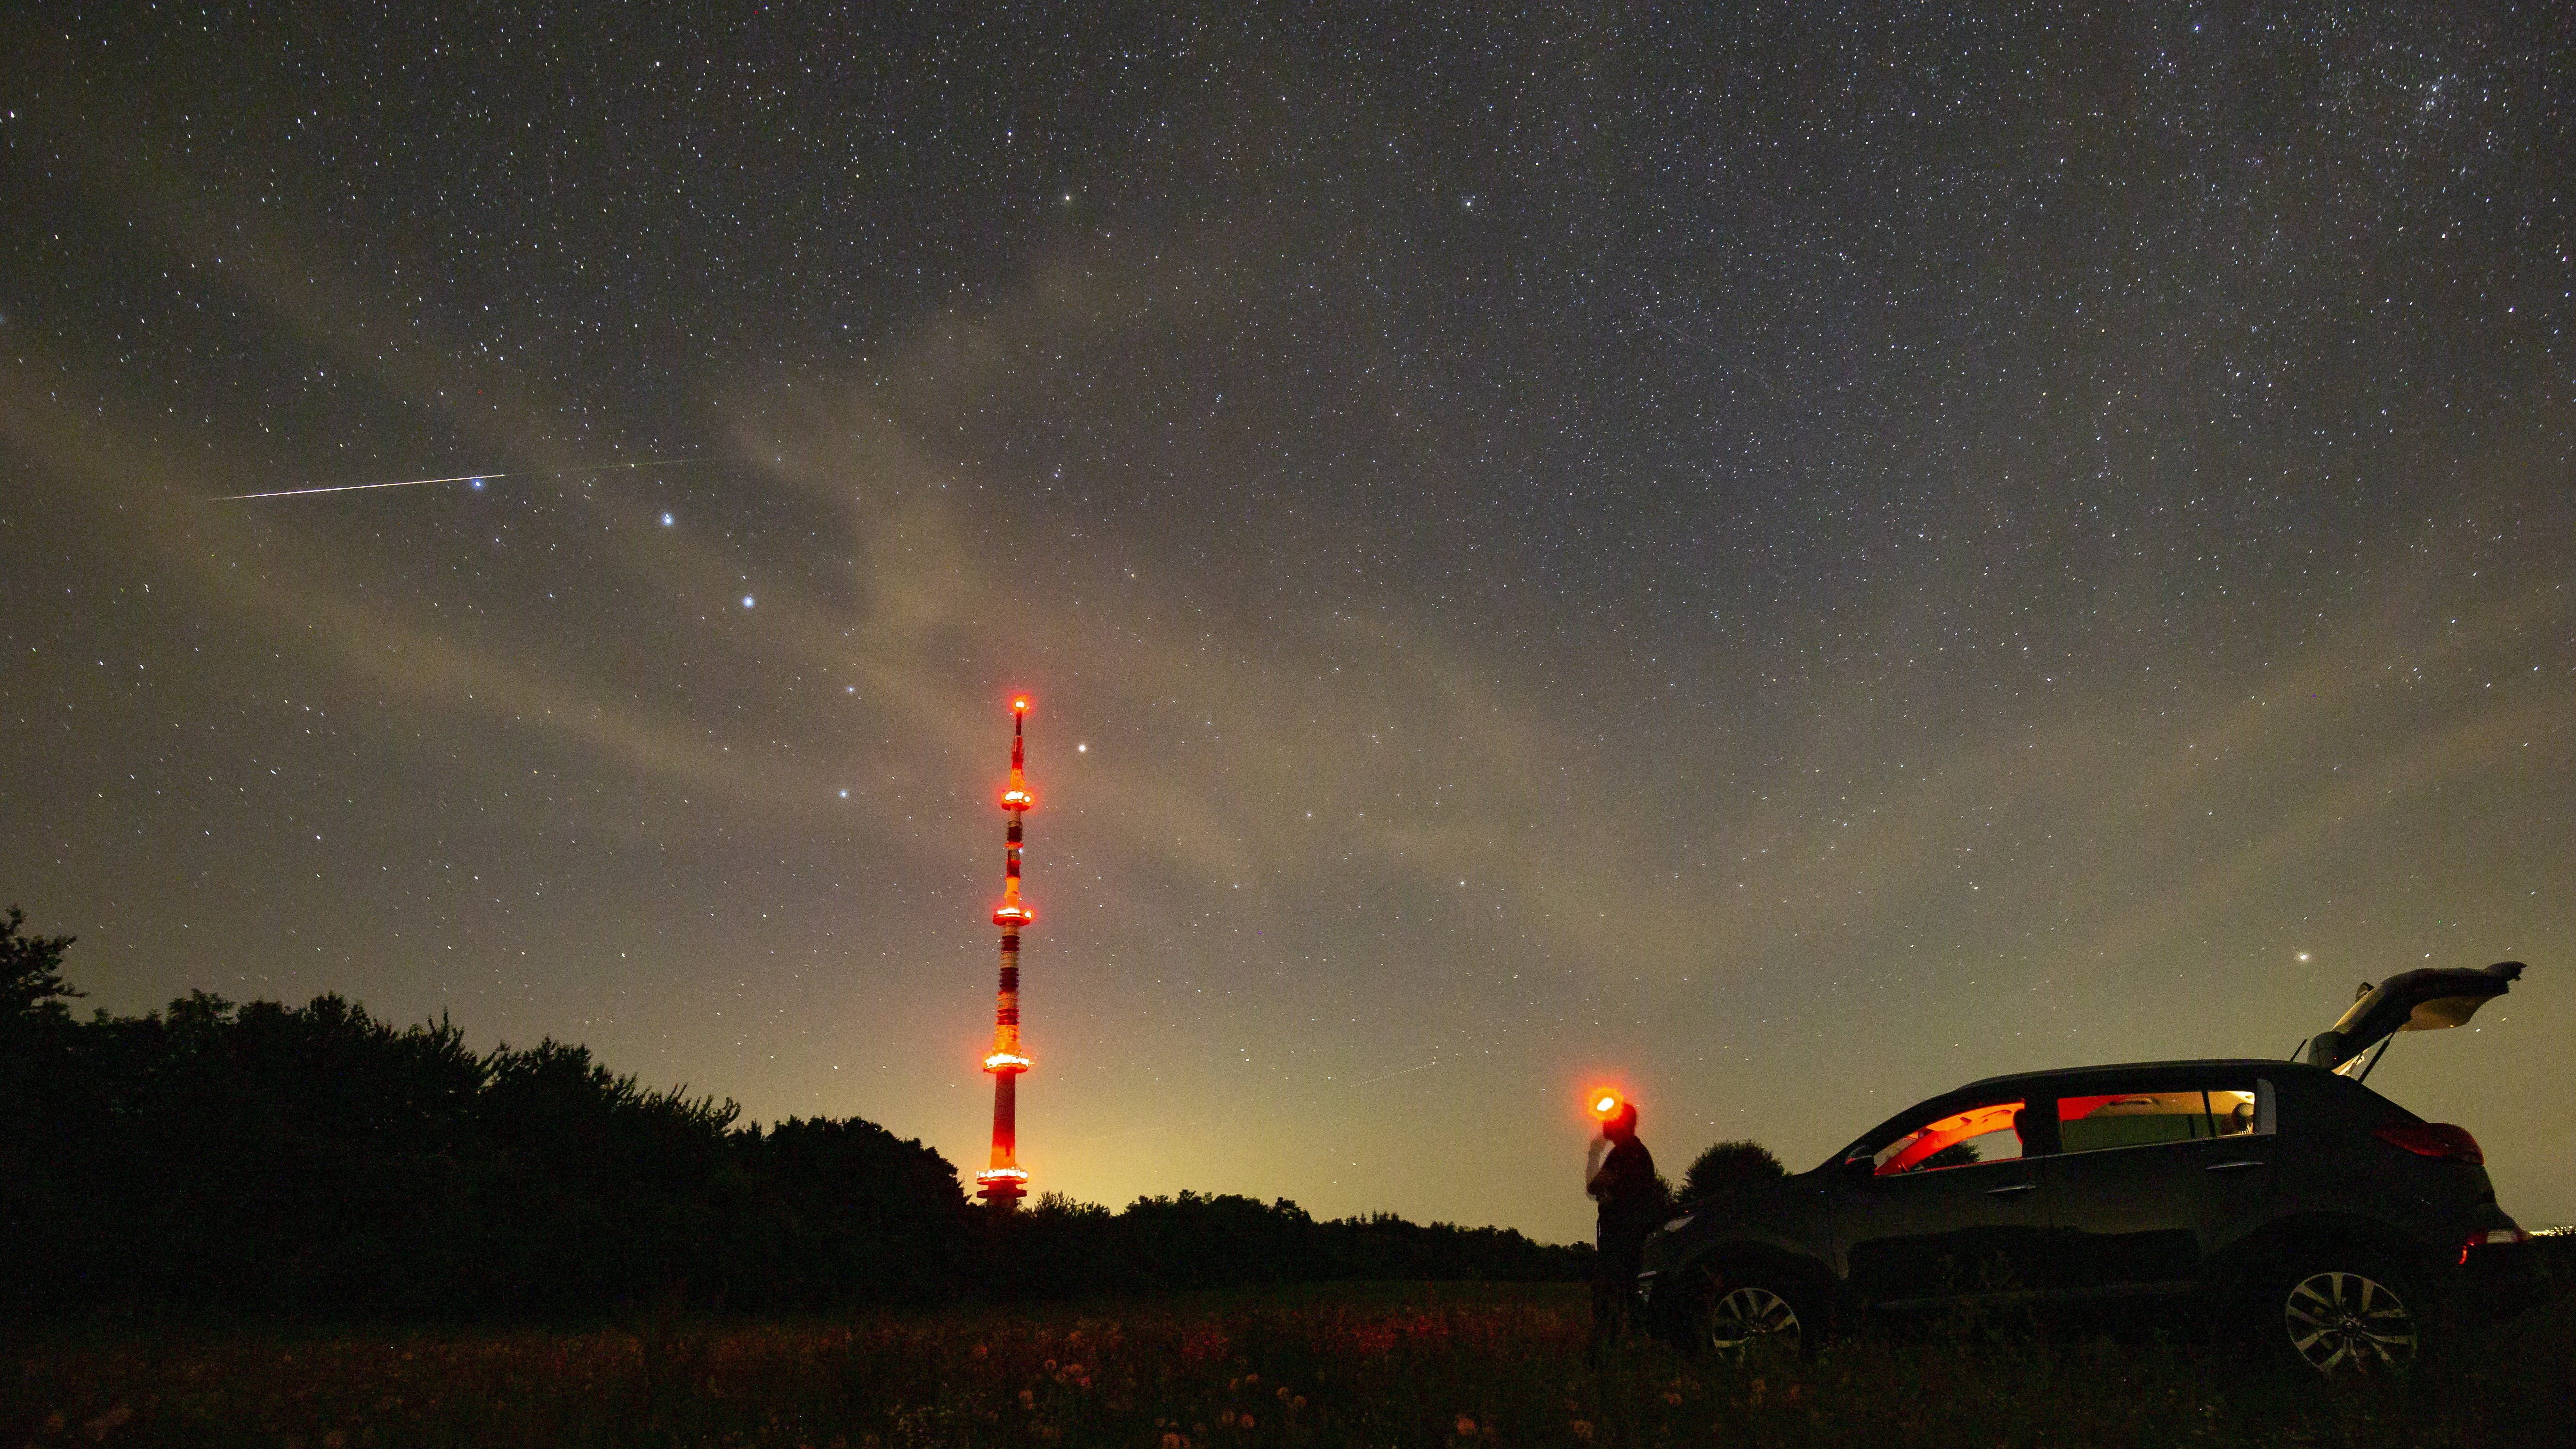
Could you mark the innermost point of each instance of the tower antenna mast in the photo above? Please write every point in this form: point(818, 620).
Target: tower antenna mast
point(1005, 1182)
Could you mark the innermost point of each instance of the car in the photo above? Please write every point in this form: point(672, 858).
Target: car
point(2286, 1200)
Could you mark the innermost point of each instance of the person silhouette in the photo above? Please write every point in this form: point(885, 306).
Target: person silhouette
point(1623, 1181)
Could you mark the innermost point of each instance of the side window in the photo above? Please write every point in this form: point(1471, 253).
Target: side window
point(2234, 1114)
point(2144, 1119)
point(1990, 1133)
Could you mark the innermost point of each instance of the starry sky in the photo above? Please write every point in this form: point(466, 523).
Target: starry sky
point(1784, 556)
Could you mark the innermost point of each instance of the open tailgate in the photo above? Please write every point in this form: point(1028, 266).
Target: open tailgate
point(2425, 1000)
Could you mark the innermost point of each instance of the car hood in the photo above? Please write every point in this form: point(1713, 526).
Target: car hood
point(2425, 1000)
point(1781, 1211)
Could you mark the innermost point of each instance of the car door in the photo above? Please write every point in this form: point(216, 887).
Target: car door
point(1947, 1207)
point(2154, 1174)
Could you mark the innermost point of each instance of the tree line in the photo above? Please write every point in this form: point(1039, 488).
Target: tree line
point(314, 1159)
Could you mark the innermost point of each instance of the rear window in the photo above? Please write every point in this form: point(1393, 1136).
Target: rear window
point(2364, 1106)
point(2144, 1119)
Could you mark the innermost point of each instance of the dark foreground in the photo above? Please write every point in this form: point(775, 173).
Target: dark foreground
point(1380, 1365)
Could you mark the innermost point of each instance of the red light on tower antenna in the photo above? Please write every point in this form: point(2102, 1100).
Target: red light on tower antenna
point(1015, 794)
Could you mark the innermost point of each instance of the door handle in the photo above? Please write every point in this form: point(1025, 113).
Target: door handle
point(2009, 1191)
point(2234, 1166)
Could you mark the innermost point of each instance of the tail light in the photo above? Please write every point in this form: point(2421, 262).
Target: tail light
point(2491, 1238)
point(2433, 1139)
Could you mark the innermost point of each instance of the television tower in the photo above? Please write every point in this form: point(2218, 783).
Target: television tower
point(1005, 1182)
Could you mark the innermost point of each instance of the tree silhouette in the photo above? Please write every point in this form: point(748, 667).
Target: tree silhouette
point(31, 980)
point(313, 1159)
point(1729, 1165)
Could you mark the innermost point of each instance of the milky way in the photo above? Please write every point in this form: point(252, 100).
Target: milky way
point(1786, 560)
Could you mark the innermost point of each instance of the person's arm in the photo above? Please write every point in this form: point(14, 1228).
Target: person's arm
point(1595, 1159)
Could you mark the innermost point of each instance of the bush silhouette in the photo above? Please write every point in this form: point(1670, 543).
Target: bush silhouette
point(1191, 1242)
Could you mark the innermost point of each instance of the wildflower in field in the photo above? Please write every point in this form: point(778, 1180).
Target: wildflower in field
point(1582, 1429)
point(107, 1423)
point(1672, 1398)
point(1466, 1427)
point(1245, 1422)
point(1283, 1393)
point(1372, 1340)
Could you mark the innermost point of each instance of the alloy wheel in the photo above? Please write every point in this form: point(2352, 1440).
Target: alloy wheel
point(2349, 1323)
point(1752, 1322)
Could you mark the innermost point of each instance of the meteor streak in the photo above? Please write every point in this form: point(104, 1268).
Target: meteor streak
point(475, 478)
point(1398, 1072)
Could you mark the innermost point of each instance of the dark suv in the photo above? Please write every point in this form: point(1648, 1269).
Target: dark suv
point(2290, 1199)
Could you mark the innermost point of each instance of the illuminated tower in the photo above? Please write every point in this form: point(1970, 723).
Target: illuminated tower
point(1005, 1182)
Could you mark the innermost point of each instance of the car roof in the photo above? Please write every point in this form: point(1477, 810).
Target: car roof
point(2209, 1064)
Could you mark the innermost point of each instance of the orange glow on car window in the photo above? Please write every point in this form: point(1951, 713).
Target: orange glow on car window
point(1947, 1132)
point(2076, 1109)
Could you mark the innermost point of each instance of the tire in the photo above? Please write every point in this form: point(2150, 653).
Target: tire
point(1756, 1317)
point(2342, 1315)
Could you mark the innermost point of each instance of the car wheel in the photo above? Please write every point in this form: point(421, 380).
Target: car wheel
point(1755, 1319)
point(2347, 1317)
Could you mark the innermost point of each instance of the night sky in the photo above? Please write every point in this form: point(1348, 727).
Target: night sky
point(1789, 558)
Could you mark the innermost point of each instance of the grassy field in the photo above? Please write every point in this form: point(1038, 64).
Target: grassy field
point(1390, 1365)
